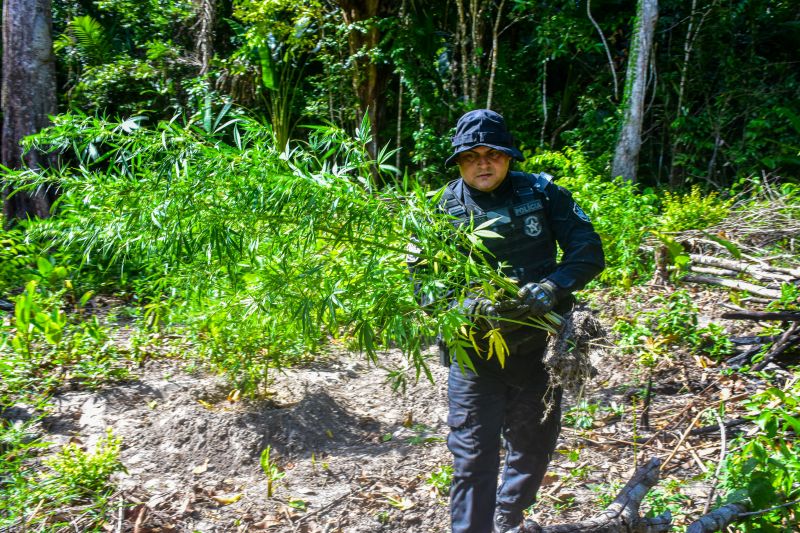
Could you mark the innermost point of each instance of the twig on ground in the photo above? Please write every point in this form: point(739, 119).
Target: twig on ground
point(140, 519)
point(333, 503)
point(696, 457)
point(779, 347)
point(683, 438)
point(120, 514)
point(622, 442)
point(680, 413)
point(722, 453)
point(644, 419)
point(763, 511)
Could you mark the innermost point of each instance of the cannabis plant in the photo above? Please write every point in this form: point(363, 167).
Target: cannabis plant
point(269, 253)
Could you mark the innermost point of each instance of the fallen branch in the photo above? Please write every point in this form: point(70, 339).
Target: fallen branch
point(759, 272)
point(744, 357)
point(622, 516)
point(749, 341)
point(789, 316)
point(717, 519)
point(716, 427)
point(735, 284)
point(712, 271)
point(780, 346)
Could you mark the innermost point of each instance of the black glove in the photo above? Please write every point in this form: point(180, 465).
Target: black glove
point(488, 315)
point(539, 298)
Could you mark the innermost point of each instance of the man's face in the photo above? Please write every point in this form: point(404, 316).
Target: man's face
point(483, 168)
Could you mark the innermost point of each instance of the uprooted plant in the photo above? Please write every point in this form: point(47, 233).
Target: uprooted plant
point(267, 253)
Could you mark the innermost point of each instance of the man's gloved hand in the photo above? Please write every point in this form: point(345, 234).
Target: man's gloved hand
point(489, 315)
point(539, 298)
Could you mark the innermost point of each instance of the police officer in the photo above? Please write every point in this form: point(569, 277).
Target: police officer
point(534, 216)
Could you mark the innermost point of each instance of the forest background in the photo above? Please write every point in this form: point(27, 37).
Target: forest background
point(251, 170)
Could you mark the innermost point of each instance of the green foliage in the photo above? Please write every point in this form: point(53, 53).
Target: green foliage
point(87, 474)
point(423, 435)
point(125, 56)
point(789, 299)
point(43, 346)
point(16, 259)
point(271, 470)
point(440, 479)
point(676, 317)
point(584, 414)
point(763, 468)
point(694, 210)
point(673, 322)
point(605, 494)
point(71, 488)
point(714, 341)
point(270, 251)
point(620, 213)
point(87, 40)
point(667, 497)
point(18, 482)
point(153, 17)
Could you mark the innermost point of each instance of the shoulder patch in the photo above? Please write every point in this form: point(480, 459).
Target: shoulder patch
point(580, 213)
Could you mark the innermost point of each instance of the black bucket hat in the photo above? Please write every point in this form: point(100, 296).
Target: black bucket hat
point(482, 127)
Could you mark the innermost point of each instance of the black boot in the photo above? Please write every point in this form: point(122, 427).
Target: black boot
point(502, 524)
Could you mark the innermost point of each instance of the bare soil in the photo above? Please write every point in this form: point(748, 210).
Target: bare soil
point(356, 455)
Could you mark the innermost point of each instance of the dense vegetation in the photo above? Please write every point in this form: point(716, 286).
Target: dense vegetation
point(227, 173)
point(722, 88)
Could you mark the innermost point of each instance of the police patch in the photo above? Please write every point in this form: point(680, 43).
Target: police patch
point(528, 207)
point(579, 213)
point(533, 227)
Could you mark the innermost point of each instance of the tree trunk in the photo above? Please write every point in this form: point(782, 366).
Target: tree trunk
point(28, 96)
point(626, 155)
point(474, 62)
point(688, 45)
point(204, 40)
point(495, 42)
point(461, 37)
point(369, 80)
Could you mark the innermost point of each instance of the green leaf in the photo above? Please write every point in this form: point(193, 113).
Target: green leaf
point(85, 298)
point(267, 70)
point(761, 492)
point(44, 266)
point(487, 234)
point(486, 224)
point(793, 422)
point(731, 247)
point(674, 247)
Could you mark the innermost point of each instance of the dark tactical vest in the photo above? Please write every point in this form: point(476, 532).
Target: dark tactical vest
point(528, 244)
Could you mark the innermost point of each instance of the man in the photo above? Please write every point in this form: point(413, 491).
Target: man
point(533, 215)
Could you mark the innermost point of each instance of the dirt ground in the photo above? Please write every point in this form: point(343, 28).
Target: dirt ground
point(356, 456)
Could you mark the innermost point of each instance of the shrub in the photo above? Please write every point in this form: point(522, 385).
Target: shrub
point(621, 213)
point(83, 473)
point(763, 468)
point(694, 210)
